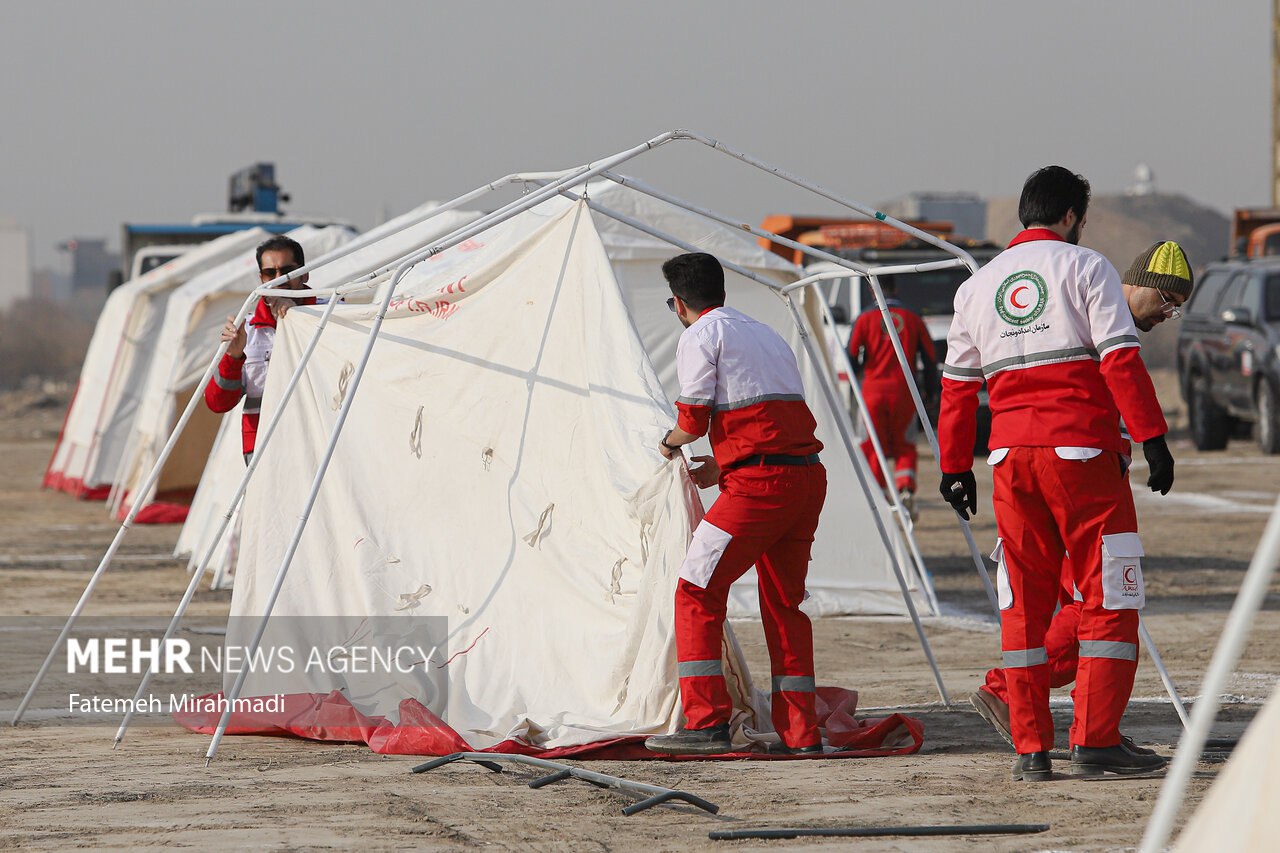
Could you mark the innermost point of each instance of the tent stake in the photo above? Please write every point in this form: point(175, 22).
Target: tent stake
point(560, 772)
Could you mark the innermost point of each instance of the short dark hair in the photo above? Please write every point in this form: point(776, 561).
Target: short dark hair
point(281, 242)
point(1049, 193)
point(697, 278)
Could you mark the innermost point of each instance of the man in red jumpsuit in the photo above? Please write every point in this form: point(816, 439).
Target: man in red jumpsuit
point(1156, 284)
point(242, 372)
point(884, 387)
point(1046, 326)
point(739, 381)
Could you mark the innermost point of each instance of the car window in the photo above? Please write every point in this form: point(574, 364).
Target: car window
point(1206, 295)
point(1251, 296)
point(1273, 296)
point(1231, 296)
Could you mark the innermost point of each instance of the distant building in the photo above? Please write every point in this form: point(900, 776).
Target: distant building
point(1144, 181)
point(15, 264)
point(91, 267)
point(965, 211)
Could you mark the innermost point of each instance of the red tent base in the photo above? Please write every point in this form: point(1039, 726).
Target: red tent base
point(74, 486)
point(330, 717)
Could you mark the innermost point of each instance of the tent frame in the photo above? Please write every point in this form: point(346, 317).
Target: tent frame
point(556, 184)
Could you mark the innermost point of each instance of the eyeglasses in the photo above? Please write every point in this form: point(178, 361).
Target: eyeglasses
point(269, 273)
point(671, 304)
point(1169, 307)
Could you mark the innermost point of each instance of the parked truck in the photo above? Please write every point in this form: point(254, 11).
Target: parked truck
point(1255, 232)
point(253, 201)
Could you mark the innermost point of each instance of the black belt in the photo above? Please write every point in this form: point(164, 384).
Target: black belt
point(773, 459)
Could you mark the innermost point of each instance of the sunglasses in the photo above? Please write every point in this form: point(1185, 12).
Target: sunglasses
point(269, 273)
point(671, 304)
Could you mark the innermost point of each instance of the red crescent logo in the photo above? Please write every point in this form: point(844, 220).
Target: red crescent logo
point(1013, 297)
point(1130, 574)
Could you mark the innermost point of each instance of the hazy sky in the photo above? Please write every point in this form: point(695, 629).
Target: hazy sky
point(139, 111)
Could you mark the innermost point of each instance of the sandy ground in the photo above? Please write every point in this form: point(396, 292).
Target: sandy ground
point(62, 785)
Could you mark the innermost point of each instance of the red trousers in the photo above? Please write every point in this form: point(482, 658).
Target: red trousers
point(1046, 506)
point(891, 411)
point(1061, 643)
point(766, 516)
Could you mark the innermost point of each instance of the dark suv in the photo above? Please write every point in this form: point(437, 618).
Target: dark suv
point(1229, 354)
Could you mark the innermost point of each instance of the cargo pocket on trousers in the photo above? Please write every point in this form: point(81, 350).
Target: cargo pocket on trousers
point(1122, 572)
point(704, 554)
point(1004, 592)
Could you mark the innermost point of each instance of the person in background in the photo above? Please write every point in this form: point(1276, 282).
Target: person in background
point(884, 387)
point(242, 372)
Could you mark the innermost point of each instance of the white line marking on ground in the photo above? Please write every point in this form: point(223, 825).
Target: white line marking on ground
point(11, 559)
point(1196, 501)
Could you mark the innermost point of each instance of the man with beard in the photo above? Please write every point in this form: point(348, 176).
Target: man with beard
point(1046, 326)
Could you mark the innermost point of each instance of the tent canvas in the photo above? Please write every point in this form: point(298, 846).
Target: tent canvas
point(225, 465)
point(196, 313)
point(504, 533)
point(1240, 811)
point(101, 414)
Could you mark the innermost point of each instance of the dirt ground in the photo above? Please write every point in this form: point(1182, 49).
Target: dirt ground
point(62, 785)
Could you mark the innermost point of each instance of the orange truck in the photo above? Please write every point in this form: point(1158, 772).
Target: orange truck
point(1255, 232)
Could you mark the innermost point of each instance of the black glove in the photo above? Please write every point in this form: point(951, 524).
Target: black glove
point(1160, 463)
point(961, 491)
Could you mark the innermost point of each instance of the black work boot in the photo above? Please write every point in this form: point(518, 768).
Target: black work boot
point(783, 749)
point(1127, 743)
point(1097, 760)
point(712, 741)
point(1032, 767)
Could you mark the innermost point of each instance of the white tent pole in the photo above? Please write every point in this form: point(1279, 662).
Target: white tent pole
point(930, 435)
point(263, 440)
point(908, 528)
point(923, 236)
point(804, 282)
point(124, 528)
point(571, 178)
point(1253, 591)
point(1169, 687)
point(833, 403)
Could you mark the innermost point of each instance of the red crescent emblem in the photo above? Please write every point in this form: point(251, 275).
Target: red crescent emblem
point(1130, 574)
point(1013, 298)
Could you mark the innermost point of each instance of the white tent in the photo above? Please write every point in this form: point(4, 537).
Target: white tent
point(181, 345)
point(225, 465)
point(496, 503)
point(1242, 810)
point(101, 414)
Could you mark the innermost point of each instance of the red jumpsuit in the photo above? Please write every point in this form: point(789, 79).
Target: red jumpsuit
point(1046, 326)
point(884, 387)
point(739, 381)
